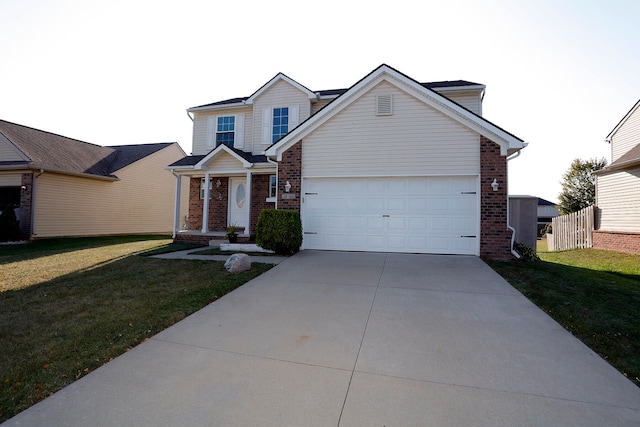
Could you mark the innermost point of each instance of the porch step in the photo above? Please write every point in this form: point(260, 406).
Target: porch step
point(243, 247)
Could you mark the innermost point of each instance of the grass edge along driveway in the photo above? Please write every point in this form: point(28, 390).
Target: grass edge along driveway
point(594, 294)
point(68, 306)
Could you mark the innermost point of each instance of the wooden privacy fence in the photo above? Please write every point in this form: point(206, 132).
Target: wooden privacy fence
point(572, 231)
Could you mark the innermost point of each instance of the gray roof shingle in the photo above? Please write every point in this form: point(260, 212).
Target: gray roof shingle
point(53, 152)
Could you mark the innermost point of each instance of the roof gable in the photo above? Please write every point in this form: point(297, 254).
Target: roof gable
point(623, 121)
point(129, 154)
point(508, 142)
point(56, 153)
point(218, 152)
point(278, 78)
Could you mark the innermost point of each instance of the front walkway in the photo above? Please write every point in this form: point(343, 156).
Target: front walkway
point(356, 339)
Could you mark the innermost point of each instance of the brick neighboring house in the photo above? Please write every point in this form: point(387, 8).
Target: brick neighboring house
point(389, 164)
point(618, 189)
point(64, 187)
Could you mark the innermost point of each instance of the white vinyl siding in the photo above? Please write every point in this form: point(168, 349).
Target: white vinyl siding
point(618, 199)
point(472, 103)
point(9, 153)
point(281, 94)
point(627, 137)
point(204, 128)
point(142, 201)
point(225, 162)
point(415, 140)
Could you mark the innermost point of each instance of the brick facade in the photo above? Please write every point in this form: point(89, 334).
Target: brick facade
point(218, 205)
point(495, 238)
point(290, 169)
point(26, 197)
point(259, 195)
point(619, 241)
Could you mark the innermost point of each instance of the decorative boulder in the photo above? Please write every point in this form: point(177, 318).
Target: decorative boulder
point(238, 263)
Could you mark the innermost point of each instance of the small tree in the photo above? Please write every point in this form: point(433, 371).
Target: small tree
point(9, 228)
point(579, 185)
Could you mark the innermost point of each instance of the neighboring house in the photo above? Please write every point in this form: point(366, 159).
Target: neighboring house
point(389, 164)
point(546, 212)
point(618, 189)
point(66, 187)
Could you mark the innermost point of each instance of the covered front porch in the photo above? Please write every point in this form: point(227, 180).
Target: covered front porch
point(227, 187)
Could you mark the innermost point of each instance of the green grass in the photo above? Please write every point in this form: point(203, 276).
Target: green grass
point(594, 294)
point(68, 306)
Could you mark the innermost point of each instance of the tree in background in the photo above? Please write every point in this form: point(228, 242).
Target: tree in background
point(579, 185)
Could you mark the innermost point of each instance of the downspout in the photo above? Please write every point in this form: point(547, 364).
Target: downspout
point(33, 203)
point(276, 165)
point(513, 230)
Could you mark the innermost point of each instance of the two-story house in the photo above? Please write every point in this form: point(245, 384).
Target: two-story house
point(618, 189)
point(389, 164)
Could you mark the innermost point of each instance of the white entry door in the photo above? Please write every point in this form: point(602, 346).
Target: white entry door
point(409, 214)
point(238, 202)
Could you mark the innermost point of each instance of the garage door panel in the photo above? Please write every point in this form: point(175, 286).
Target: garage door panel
point(408, 214)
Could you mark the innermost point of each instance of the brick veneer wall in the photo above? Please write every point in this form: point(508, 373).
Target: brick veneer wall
point(495, 238)
point(25, 206)
point(217, 208)
point(619, 241)
point(290, 169)
point(259, 195)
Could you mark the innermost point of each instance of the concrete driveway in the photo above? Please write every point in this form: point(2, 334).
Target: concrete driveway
point(356, 339)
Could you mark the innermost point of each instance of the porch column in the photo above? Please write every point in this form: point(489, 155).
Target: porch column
point(248, 199)
point(176, 205)
point(205, 204)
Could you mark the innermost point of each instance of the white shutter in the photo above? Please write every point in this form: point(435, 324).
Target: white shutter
point(294, 116)
point(238, 138)
point(266, 126)
point(211, 132)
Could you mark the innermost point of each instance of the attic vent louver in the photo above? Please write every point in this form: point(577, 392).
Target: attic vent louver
point(384, 105)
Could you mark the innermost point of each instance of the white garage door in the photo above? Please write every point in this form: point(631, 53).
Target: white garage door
point(417, 214)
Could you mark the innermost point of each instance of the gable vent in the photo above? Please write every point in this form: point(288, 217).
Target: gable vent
point(384, 105)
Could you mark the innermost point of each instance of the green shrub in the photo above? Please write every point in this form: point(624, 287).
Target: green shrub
point(9, 228)
point(279, 231)
point(526, 252)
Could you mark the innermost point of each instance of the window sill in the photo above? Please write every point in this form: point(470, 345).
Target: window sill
point(270, 200)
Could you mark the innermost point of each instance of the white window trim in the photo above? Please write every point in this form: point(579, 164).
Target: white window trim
point(272, 199)
point(267, 121)
point(238, 131)
point(202, 188)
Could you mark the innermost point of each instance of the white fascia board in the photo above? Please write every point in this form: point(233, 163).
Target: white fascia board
point(311, 95)
point(214, 153)
point(508, 143)
point(221, 107)
point(621, 122)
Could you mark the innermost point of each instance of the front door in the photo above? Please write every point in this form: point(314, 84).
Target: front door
point(238, 202)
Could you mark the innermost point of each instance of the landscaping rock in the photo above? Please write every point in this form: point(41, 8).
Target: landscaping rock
point(238, 263)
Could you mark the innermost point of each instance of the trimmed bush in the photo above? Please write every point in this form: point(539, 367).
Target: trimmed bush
point(279, 231)
point(9, 228)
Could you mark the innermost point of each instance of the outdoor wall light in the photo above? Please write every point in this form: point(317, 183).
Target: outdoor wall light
point(287, 187)
point(495, 185)
point(218, 183)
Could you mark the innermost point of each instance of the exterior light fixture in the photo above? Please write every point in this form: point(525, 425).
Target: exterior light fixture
point(218, 183)
point(287, 187)
point(495, 185)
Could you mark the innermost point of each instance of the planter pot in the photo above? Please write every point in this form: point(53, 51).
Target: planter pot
point(233, 238)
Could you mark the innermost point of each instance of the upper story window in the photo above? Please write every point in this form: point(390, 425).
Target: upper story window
point(277, 122)
point(280, 123)
point(225, 130)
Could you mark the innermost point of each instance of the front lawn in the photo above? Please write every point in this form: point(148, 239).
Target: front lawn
point(594, 294)
point(67, 306)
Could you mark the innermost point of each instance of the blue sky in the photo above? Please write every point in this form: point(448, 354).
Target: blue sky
point(559, 74)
